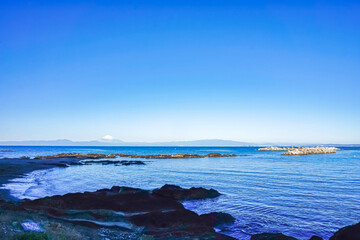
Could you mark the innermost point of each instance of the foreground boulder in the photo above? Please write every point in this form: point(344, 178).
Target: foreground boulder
point(351, 232)
point(148, 212)
point(271, 236)
point(178, 193)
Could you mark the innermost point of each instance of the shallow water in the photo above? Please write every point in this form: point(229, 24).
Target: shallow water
point(266, 192)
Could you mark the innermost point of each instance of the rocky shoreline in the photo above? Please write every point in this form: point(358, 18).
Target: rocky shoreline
point(155, 156)
point(126, 213)
point(157, 214)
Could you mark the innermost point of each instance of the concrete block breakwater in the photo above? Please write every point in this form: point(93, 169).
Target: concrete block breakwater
point(301, 150)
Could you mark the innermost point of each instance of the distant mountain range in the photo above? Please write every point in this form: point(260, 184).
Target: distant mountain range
point(204, 142)
point(65, 142)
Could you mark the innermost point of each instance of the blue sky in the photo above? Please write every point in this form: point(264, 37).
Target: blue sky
point(257, 71)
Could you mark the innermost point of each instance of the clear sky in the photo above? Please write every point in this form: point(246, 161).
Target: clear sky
point(256, 71)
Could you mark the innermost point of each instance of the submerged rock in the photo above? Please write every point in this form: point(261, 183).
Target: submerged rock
point(178, 193)
point(351, 232)
point(271, 236)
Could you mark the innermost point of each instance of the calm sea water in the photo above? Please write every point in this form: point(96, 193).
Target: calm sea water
point(266, 192)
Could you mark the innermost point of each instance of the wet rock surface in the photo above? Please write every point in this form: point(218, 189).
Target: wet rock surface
point(271, 236)
point(132, 209)
point(178, 193)
point(351, 232)
point(114, 162)
point(315, 238)
point(217, 218)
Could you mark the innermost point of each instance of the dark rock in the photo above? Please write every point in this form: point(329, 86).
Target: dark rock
point(217, 218)
point(24, 157)
point(117, 199)
point(213, 155)
point(126, 163)
point(271, 236)
point(178, 193)
point(58, 164)
point(315, 238)
point(351, 232)
point(117, 163)
point(76, 155)
point(219, 155)
point(133, 209)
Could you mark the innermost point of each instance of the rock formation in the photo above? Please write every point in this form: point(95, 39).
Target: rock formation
point(271, 236)
point(178, 193)
point(157, 213)
point(217, 218)
point(315, 238)
point(158, 156)
point(351, 232)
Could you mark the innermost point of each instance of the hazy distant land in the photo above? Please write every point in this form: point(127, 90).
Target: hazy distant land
point(194, 143)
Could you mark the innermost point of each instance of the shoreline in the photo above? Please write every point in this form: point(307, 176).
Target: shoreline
point(119, 211)
point(11, 168)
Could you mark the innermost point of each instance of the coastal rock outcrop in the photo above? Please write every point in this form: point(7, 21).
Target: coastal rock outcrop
point(157, 214)
point(217, 218)
point(156, 156)
point(178, 193)
point(219, 155)
point(351, 232)
point(76, 155)
point(315, 238)
point(271, 236)
point(114, 162)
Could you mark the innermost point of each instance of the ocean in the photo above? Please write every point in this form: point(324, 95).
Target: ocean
point(299, 196)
